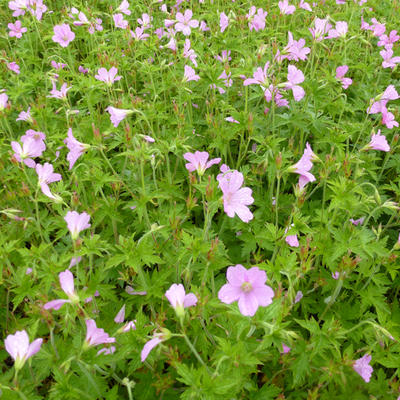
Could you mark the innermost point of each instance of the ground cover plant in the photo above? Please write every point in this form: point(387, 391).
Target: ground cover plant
point(199, 199)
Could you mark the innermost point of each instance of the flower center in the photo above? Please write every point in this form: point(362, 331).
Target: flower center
point(246, 287)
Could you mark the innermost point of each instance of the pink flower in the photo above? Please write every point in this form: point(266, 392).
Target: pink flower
point(119, 318)
point(260, 77)
point(286, 8)
point(303, 166)
point(67, 285)
point(388, 60)
point(295, 76)
point(59, 94)
point(36, 8)
point(223, 21)
point(378, 142)
point(203, 26)
point(225, 56)
point(322, 27)
point(25, 116)
point(292, 240)
point(119, 21)
point(198, 161)
point(231, 119)
point(340, 30)
point(106, 350)
point(20, 350)
point(388, 41)
point(139, 34)
point(76, 149)
point(236, 199)
point(83, 70)
point(95, 335)
point(190, 74)
point(149, 346)
point(31, 148)
point(362, 367)
point(3, 101)
point(13, 66)
point(340, 73)
point(108, 77)
point(18, 6)
point(63, 35)
point(16, 29)
point(129, 326)
point(179, 299)
point(76, 223)
point(388, 119)
point(356, 222)
point(123, 7)
point(46, 176)
point(57, 65)
point(247, 287)
point(185, 22)
point(117, 114)
point(256, 20)
point(145, 21)
point(296, 49)
point(189, 53)
point(299, 296)
point(304, 5)
point(285, 349)
point(335, 275)
point(148, 139)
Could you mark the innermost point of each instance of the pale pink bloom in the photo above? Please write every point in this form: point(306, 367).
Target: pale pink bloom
point(379, 142)
point(123, 7)
point(46, 175)
point(388, 119)
point(95, 335)
point(59, 94)
point(335, 275)
point(63, 35)
point(388, 60)
point(31, 148)
point(203, 26)
point(119, 21)
point(20, 350)
point(231, 119)
point(145, 21)
point(356, 222)
point(83, 70)
point(150, 346)
point(185, 22)
point(129, 326)
point(119, 318)
point(74, 261)
point(16, 29)
point(57, 65)
point(388, 41)
point(256, 19)
point(285, 349)
point(223, 21)
point(260, 77)
point(303, 166)
point(3, 101)
point(117, 114)
point(25, 116)
point(295, 76)
point(76, 223)
point(362, 367)
point(82, 19)
point(377, 28)
point(189, 53)
point(28, 271)
point(225, 56)
point(37, 135)
point(76, 149)
point(108, 77)
point(139, 34)
point(190, 74)
point(36, 8)
point(299, 296)
point(18, 6)
point(132, 292)
point(304, 5)
point(295, 49)
point(199, 161)
point(236, 199)
point(292, 240)
point(148, 138)
point(340, 30)
point(179, 299)
point(322, 27)
point(67, 285)
point(286, 8)
point(106, 350)
point(247, 287)
point(340, 75)
point(13, 66)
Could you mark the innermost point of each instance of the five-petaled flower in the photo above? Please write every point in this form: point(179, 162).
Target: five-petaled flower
point(77, 222)
point(67, 285)
point(179, 299)
point(63, 35)
point(117, 114)
point(95, 335)
point(46, 175)
point(108, 77)
point(362, 367)
point(198, 161)
point(303, 166)
point(75, 148)
point(185, 22)
point(20, 350)
point(247, 286)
